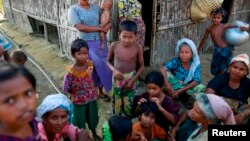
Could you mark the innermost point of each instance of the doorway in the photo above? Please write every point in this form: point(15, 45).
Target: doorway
point(147, 8)
point(227, 6)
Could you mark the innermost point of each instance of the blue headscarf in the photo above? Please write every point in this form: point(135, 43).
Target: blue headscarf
point(196, 58)
point(51, 102)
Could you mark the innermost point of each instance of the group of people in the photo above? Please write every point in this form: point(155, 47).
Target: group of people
point(175, 106)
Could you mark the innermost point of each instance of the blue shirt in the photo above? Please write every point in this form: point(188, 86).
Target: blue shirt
point(78, 14)
point(175, 67)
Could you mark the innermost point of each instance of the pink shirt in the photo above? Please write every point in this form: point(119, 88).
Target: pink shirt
point(69, 130)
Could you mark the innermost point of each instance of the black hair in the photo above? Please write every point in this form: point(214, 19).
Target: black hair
point(219, 10)
point(148, 107)
point(19, 56)
point(128, 26)
point(9, 71)
point(120, 127)
point(155, 77)
point(76, 45)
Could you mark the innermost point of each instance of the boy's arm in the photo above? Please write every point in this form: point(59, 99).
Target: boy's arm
point(203, 40)
point(111, 57)
point(140, 63)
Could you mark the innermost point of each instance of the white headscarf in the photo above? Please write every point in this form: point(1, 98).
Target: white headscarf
point(196, 59)
point(51, 102)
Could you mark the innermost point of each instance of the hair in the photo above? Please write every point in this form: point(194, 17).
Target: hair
point(10, 71)
point(76, 45)
point(120, 127)
point(155, 77)
point(128, 26)
point(148, 107)
point(18, 56)
point(219, 10)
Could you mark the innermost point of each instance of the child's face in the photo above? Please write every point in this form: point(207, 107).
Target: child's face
point(127, 38)
point(153, 90)
point(147, 119)
point(17, 102)
point(82, 55)
point(216, 18)
point(56, 120)
point(185, 53)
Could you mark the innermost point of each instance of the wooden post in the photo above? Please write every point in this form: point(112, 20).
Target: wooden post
point(45, 31)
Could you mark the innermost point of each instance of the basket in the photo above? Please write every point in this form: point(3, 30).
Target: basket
point(207, 6)
point(196, 13)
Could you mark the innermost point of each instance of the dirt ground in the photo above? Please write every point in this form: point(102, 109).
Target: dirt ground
point(47, 56)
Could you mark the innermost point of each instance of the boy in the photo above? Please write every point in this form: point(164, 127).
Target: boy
point(125, 56)
point(18, 57)
point(222, 53)
point(147, 125)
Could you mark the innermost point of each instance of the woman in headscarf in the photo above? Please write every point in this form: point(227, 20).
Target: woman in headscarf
point(85, 17)
point(182, 73)
point(233, 86)
point(209, 109)
point(54, 113)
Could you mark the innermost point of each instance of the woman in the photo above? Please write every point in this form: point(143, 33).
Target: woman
point(85, 18)
point(209, 109)
point(182, 73)
point(131, 10)
point(54, 114)
point(233, 86)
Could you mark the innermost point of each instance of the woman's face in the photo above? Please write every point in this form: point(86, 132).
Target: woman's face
point(56, 120)
point(238, 70)
point(185, 53)
point(196, 114)
point(84, 2)
point(153, 90)
point(17, 102)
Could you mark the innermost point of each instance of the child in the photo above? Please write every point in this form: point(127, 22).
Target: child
point(222, 53)
point(124, 57)
point(54, 113)
point(182, 73)
point(168, 109)
point(119, 128)
point(79, 84)
point(18, 57)
point(147, 125)
point(4, 47)
point(106, 6)
point(17, 104)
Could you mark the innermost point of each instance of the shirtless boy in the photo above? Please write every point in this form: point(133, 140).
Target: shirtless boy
point(222, 53)
point(125, 56)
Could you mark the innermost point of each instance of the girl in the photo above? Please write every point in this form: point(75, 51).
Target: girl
point(168, 109)
point(79, 84)
point(54, 113)
point(182, 73)
point(17, 104)
point(147, 125)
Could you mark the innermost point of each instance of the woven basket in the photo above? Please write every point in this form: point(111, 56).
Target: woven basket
point(196, 13)
point(207, 6)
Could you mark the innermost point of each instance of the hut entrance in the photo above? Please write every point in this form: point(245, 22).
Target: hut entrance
point(43, 29)
point(227, 5)
point(147, 8)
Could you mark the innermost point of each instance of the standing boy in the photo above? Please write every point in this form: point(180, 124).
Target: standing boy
point(222, 53)
point(125, 56)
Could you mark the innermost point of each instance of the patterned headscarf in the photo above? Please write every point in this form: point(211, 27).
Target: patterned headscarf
point(196, 58)
point(215, 108)
point(51, 102)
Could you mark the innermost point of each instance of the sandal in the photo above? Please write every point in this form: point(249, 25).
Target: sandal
point(107, 98)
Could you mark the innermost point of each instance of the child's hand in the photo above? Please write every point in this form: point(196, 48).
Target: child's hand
point(244, 28)
point(82, 135)
point(118, 75)
point(129, 84)
point(142, 100)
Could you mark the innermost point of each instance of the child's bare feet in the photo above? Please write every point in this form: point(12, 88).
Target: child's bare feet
point(105, 97)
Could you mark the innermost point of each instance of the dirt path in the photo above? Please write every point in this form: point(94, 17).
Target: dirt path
point(47, 56)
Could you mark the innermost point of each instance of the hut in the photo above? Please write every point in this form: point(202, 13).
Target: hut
point(166, 22)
